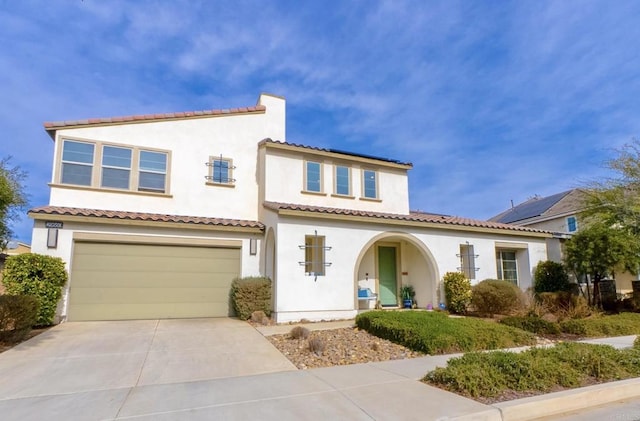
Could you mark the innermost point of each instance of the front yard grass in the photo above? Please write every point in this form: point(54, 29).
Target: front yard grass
point(600, 326)
point(538, 370)
point(436, 333)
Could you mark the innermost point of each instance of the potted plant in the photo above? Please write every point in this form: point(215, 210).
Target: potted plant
point(407, 292)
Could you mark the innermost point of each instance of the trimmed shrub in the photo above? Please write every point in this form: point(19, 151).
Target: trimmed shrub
point(616, 325)
point(636, 343)
point(437, 333)
point(532, 324)
point(566, 365)
point(251, 294)
point(457, 292)
point(299, 332)
point(18, 313)
point(40, 276)
point(493, 296)
point(550, 276)
point(316, 346)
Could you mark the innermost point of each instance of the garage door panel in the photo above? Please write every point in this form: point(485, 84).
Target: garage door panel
point(148, 295)
point(124, 279)
point(147, 311)
point(142, 263)
point(112, 281)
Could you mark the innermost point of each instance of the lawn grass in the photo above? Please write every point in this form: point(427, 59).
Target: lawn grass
point(436, 333)
point(594, 327)
point(567, 365)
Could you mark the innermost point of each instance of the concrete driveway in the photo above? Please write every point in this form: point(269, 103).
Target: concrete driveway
point(82, 361)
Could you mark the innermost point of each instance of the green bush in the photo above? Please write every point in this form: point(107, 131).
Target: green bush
point(38, 275)
point(251, 294)
point(550, 276)
point(18, 313)
point(493, 296)
point(636, 343)
point(566, 365)
point(532, 324)
point(436, 333)
point(616, 325)
point(457, 292)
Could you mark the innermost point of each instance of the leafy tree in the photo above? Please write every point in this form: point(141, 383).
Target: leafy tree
point(12, 198)
point(616, 200)
point(599, 250)
point(550, 276)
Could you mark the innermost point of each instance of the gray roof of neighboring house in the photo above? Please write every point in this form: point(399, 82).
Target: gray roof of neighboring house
point(538, 206)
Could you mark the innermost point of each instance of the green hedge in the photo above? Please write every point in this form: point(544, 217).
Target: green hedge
point(457, 292)
point(550, 276)
point(251, 294)
point(622, 324)
point(615, 325)
point(436, 333)
point(532, 324)
point(18, 313)
point(38, 275)
point(567, 365)
point(493, 296)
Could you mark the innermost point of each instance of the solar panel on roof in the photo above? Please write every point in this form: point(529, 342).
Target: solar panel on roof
point(532, 208)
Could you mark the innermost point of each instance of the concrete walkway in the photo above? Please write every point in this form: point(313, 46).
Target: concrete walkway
point(107, 382)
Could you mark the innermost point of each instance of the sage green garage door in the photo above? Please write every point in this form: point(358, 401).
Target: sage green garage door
point(135, 281)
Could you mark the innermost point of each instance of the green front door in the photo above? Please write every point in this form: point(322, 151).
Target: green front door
point(387, 276)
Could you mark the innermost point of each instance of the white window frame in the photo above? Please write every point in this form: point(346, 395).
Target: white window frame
point(97, 168)
point(500, 261)
point(376, 184)
point(349, 192)
point(314, 255)
point(211, 177)
point(468, 261)
point(84, 164)
point(320, 176)
point(115, 167)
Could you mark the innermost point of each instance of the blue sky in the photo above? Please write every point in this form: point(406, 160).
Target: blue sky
point(491, 101)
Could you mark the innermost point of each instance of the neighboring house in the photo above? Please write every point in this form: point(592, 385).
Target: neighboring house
point(13, 249)
point(559, 214)
point(156, 214)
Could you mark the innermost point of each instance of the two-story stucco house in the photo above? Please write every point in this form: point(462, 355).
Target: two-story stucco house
point(156, 214)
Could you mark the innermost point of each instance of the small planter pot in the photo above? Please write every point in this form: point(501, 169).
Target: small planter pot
point(406, 303)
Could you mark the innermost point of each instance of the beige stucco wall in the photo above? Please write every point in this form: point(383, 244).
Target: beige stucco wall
point(250, 265)
point(333, 295)
point(191, 142)
point(284, 182)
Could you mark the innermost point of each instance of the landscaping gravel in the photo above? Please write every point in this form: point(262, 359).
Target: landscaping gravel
point(342, 347)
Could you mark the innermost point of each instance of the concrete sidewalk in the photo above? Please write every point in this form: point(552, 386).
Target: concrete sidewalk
point(388, 390)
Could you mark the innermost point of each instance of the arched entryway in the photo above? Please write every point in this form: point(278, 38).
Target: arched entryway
point(393, 259)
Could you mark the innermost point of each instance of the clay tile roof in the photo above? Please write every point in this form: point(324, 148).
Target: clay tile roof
point(414, 216)
point(141, 216)
point(53, 125)
point(336, 151)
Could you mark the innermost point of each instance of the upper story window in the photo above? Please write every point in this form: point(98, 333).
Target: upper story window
point(220, 170)
point(116, 167)
point(343, 180)
point(507, 265)
point(153, 171)
point(313, 176)
point(370, 184)
point(572, 224)
point(119, 167)
point(77, 163)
